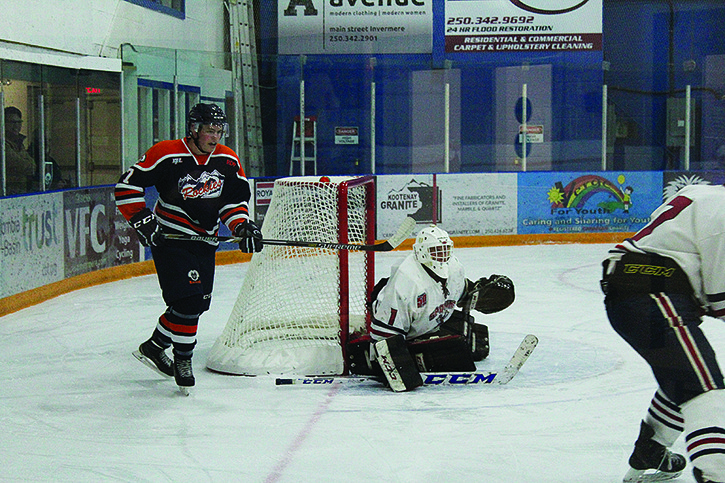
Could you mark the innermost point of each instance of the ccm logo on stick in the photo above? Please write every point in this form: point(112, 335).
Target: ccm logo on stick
point(459, 378)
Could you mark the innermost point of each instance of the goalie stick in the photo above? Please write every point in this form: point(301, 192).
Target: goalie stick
point(500, 377)
point(405, 230)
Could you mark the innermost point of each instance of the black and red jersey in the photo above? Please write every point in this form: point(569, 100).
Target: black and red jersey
point(195, 192)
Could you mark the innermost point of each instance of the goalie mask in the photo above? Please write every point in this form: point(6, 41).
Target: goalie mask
point(433, 249)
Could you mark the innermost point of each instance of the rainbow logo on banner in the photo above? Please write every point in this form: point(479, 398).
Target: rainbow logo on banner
point(581, 189)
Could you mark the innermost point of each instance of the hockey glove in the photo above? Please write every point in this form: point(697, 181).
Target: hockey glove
point(490, 295)
point(147, 229)
point(252, 237)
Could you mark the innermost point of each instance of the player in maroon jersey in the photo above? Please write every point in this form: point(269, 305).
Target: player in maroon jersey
point(200, 183)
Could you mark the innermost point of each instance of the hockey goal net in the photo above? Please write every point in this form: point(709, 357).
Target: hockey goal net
point(298, 305)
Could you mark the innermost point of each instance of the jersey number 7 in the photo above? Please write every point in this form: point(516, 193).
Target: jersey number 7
point(676, 206)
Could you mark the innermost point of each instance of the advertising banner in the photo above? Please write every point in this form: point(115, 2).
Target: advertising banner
point(31, 242)
point(262, 197)
point(478, 204)
point(462, 204)
point(47, 237)
point(355, 27)
point(490, 26)
point(398, 196)
point(96, 234)
point(560, 202)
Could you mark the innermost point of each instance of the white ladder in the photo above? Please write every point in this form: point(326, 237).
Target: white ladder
point(245, 78)
point(298, 151)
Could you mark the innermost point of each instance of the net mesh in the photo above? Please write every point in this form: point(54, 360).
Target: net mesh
point(287, 317)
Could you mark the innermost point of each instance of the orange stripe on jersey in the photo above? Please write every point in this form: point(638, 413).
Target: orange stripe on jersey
point(131, 209)
point(120, 193)
point(236, 213)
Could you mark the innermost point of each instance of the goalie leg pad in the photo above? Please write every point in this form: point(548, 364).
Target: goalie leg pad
point(397, 364)
point(442, 354)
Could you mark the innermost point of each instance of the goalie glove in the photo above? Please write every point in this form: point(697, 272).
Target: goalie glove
point(252, 236)
point(489, 295)
point(147, 228)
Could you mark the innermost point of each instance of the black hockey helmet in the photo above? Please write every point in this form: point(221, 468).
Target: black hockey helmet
point(207, 114)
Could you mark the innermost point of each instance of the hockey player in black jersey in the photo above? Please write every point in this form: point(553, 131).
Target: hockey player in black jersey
point(200, 183)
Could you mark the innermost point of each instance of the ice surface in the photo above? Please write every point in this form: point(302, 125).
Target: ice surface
point(76, 406)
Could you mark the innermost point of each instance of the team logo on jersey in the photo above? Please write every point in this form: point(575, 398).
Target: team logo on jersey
point(193, 276)
point(422, 299)
point(209, 185)
point(440, 311)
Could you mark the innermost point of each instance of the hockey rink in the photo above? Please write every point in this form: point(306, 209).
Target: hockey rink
point(76, 406)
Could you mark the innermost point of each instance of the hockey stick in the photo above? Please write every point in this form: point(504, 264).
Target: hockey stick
point(501, 377)
point(403, 232)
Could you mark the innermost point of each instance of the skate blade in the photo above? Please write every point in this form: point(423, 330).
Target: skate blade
point(185, 390)
point(646, 476)
point(148, 363)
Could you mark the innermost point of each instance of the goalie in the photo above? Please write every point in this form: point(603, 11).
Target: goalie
point(415, 325)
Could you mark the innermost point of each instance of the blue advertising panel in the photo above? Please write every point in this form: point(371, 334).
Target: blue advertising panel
point(562, 202)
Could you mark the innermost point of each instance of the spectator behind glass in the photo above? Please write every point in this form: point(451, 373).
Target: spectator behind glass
point(53, 174)
point(19, 165)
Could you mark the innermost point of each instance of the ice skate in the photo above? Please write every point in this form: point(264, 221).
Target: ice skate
point(155, 358)
point(184, 375)
point(700, 478)
point(651, 461)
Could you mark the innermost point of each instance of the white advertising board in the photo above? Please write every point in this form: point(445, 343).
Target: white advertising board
point(31, 242)
point(490, 26)
point(462, 204)
point(478, 204)
point(355, 27)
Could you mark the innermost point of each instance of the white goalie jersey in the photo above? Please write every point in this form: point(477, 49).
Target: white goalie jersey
point(412, 303)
